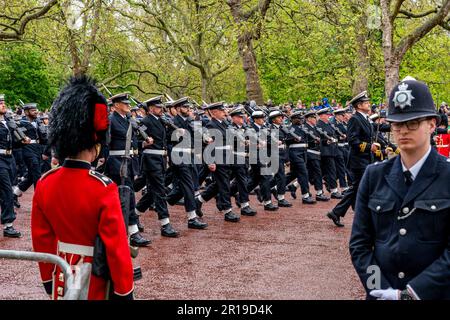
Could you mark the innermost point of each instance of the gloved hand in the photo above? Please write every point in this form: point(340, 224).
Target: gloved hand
point(387, 294)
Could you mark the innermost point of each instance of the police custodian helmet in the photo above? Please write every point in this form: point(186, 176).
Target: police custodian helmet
point(410, 99)
point(78, 118)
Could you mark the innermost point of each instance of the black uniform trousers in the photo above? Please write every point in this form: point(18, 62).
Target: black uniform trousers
point(279, 180)
point(349, 198)
point(156, 191)
point(328, 166)
point(183, 187)
point(256, 178)
point(32, 157)
point(240, 184)
point(220, 188)
point(6, 195)
point(314, 173)
point(298, 170)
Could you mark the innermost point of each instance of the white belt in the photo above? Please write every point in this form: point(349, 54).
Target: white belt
point(187, 150)
point(342, 144)
point(34, 141)
point(6, 152)
point(282, 146)
point(223, 148)
point(299, 145)
point(240, 154)
point(119, 152)
point(442, 146)
point(86, 251)
point(313, 151)
point(156, 152)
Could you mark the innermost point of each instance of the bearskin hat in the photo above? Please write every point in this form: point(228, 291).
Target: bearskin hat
point(78, 118)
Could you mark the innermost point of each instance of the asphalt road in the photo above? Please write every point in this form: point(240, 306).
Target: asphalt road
point(294, 253)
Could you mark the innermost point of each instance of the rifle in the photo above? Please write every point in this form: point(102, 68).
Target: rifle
point(340, 133)
point(310, 133)
point(109, 92)
point(330, 139)
point(17, 131)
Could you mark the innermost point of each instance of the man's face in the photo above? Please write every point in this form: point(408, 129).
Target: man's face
point(173, 112)
point(259, 121)
point(324, 117)
point(2, 107)
point(277, 120)
point(157, 111)
point(183, 111)
point(364, 107)
point(414, 134)
point(31, 113)
point(347, 116)
point(218, 114)
point(311, 120)
point(45, 121)
point(122, 108)
point(339, 117)
point(238, 120)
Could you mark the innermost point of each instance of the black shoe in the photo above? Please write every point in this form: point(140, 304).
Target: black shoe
point(10, 232)
point(140, 227)
point(336, 195)
point(284, 203)
point(292, 189)
point(231, 217)
point(137, 240)
point(168, 231)
point(335, 219)
point(196, 224)
point(270, 207)
point(322, 197)
point(16, 202)
point(198, 211)
point(309, 200)
point(248, 211)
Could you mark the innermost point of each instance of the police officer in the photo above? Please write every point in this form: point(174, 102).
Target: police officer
point(32, 150)
point(6, 175)
point(328, 152)
point(361, 140)
point(313, 155)
point(402, 216)
point(119, 134)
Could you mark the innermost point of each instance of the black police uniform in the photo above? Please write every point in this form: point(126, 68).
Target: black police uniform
point(342, 153)
point(402, 225)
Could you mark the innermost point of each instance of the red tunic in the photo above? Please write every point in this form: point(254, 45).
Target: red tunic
point(442, 144)
point(73, 204)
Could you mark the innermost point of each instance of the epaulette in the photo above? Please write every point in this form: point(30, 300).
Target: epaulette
point(102, 178)
point(49, 172)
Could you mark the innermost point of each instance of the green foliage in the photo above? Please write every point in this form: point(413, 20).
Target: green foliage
point(25, 75)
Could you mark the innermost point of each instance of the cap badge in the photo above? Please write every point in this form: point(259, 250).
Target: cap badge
point(403, 97)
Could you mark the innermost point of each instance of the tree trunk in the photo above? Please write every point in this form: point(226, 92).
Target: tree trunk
point(391, 76)
point(247, 53)
point(361, 75)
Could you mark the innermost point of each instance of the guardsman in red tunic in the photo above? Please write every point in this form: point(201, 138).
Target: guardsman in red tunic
point(72, 204)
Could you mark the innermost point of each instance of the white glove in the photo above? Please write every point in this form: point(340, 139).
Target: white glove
point(387, 294)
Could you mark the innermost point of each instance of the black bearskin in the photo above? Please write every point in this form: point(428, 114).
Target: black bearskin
point(71, 125)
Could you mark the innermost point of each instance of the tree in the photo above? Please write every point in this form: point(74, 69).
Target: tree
point(395, 52)
point(248, 31)
point(14, 25)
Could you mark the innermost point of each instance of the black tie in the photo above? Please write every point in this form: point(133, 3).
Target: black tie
point(408, 178)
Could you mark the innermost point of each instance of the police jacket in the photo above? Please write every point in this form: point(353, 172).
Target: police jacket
point(31, 130)
point(405, 232)
point(153, 155)
point(313, 150)
point(360, 138)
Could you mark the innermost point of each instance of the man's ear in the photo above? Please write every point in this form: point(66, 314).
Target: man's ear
point(432, 125)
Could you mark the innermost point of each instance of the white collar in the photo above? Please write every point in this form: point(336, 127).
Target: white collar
point(364, 115)
point(156, 117)
point(276, 125)
point(418, 165)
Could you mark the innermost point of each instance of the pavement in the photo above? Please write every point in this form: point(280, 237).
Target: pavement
point(295, 253)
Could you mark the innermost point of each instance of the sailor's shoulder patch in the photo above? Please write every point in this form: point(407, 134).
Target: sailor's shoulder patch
point(100, 177)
